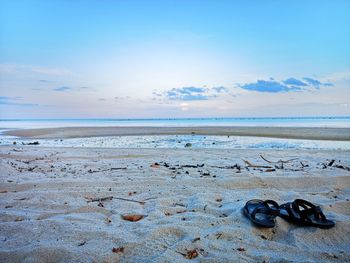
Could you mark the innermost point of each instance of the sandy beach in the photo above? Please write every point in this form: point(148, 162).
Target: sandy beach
point(66, 205)
point(174, 131)
point(337, 134)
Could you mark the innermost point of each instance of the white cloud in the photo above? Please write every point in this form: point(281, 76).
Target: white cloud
point(23, 68)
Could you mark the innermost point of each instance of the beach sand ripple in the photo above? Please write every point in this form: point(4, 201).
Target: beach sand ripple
point(55, 205)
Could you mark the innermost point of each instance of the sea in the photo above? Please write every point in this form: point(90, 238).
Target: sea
point(336, 122)
point(179, 141)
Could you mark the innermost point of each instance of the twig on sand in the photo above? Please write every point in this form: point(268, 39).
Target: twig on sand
point(236, 166)
point(105, 170)
point(99, 199)
point(342, 167)
point(331, 163)
point(279, 161)
point(150, 198)
point(130, 200)
point(192, 166)
point(249, 164)
point(112, 197)
point(303, 165)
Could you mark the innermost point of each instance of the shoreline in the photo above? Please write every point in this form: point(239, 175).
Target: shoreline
point(308, 133)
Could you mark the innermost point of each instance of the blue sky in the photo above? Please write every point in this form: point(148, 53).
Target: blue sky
point(168, 58)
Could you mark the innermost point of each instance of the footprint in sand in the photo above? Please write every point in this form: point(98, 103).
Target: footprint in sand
point(150, 249)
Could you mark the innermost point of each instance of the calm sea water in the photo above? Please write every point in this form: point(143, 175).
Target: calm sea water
point(340, 122)
point(196, 141)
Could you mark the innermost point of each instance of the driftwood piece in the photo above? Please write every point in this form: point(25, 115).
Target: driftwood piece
point(249, 164)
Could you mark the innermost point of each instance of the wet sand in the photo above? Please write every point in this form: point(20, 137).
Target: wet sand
point(337, 134)
point(191, 199)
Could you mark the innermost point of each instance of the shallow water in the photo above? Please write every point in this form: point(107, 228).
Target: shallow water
point(179, 141)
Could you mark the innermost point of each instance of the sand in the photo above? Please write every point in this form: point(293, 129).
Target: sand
point(45, 216)
point(338, 134)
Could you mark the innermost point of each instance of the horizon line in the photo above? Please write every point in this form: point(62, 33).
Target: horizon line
point(180, 118)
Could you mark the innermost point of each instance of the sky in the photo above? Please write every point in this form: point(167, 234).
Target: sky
point(174, 59)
